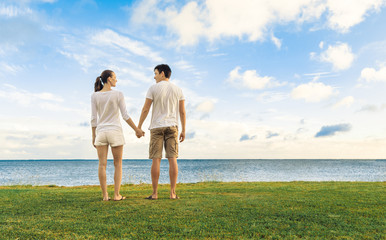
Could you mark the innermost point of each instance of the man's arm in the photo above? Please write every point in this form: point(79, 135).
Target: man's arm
point(145, 111)
point(183, 119)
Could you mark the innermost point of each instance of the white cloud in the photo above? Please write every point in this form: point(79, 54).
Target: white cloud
point(109, 49)
point(7, 48)
point(22, 27)
point(249, 79)
point(14, 11)
point(270, 97)
point(6, 68)
point(317, 74)
point(312, 92)
point(43, 137)
point(345, 14)
point(143, 12)
point(83, 59)
point(216, 19)
point(189, 15)
point(113, 39)
point(339, 55)
point(372, 108)
point(224, 137)
point(276, 41)
point(373, 75)
point(191, 70)
point(206, 106)
point(25, 98)
point(48, 97)
point(184, 65)
point(321, 45)
point(369, 108)
point(345, 102)
point(131, 76)
point(237, 18)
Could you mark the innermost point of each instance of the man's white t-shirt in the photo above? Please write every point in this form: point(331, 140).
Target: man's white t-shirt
point(105, 107)
point(166, 98)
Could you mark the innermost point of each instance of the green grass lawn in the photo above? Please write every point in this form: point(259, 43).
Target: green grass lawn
point(212, 210)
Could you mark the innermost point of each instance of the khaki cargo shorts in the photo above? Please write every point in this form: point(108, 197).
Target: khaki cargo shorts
point(167, 136)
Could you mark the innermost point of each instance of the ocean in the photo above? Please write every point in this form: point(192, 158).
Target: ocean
point(79, 172)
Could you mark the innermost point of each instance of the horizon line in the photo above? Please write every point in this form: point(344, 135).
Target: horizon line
point(95, 159)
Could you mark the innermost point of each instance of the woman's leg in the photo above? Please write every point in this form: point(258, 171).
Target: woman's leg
point(102, 156)
point(117, 155)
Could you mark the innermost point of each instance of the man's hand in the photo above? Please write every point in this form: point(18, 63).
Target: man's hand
point(182, 136)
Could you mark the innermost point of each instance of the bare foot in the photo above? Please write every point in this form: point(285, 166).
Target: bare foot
point(152, 197)
point(119, 198)
point(174, 196)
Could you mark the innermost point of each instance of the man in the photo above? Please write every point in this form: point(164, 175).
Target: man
point(168, 102)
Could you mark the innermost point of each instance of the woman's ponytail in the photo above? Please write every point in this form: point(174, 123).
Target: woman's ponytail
point(98, 84)
point(101, 80)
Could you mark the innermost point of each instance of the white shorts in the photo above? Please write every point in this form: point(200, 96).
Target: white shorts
point(112, 138)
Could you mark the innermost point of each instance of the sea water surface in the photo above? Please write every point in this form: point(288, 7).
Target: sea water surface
point(85, 172)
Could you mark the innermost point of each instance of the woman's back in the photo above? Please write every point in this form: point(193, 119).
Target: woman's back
point(105, 110)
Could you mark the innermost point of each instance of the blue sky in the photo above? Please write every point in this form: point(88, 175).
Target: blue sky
point(262, 79)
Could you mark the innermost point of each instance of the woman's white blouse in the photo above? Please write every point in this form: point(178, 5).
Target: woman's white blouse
point(105, 108)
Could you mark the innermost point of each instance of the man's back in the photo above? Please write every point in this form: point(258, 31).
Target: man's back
point(166, 97)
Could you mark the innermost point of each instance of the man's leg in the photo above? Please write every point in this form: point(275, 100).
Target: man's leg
point(171, 147)
point(155, 172)
point(102, 156)
point(155, 153)
point(173, 174)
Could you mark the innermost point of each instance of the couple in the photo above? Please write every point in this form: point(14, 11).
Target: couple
point(168, 104)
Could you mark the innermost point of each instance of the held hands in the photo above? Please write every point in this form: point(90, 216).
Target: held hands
point(139, 133)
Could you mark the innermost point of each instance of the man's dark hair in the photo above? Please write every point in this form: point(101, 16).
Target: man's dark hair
point(164, 68)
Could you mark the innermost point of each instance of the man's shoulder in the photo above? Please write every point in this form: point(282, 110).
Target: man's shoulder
point(175, 86)
point(162, 85)
point(152, 87)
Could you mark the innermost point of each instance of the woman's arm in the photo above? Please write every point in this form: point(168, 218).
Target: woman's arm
point(93, 119)
point(93, 136)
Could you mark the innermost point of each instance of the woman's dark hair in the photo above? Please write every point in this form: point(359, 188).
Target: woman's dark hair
point(102, 79)
point(164, 68)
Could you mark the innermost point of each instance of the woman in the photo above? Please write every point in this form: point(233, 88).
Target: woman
point(107, 130)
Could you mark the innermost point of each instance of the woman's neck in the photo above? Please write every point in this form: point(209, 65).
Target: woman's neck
point(106, 88)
